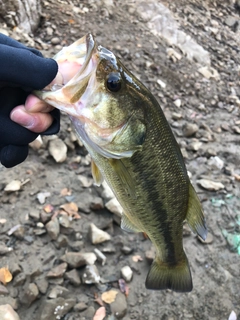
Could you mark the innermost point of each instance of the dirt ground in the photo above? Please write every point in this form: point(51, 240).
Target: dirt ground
point(188, 97)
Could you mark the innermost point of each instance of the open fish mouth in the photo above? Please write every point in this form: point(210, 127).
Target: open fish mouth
point(74, 62)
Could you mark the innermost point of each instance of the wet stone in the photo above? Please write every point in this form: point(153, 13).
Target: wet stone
point(100, 256)
point(189, 129)
point(88, 313)
point(57, 271)
point(62, 241)
point(55, 41)
point(119, 306)
point(194, 145)
point(42, 285)
point(127, 273)
point(236, 129)
point(186, 231)
point(77, 245)
point(79, 259)
point(97, 235)
point(80, 306)
point(14, 268)
point(20, 232)
point(114, 207)
point(150, 254)
point(29, 294)
point(3, 290)
point(126, 250)
point(90, 275)
point(64, 221)
point(57, 292)
point(7, 313)
point(109, 249)
point(58, 150)
point(53, 228)
point(56, 281)
point(34, 214)
point(73, 277)
point(97, 204)
point(4, 249)
point(19, 279)
point(210, 185)
point(107, 192)
point(56, 308)
point(45, 216)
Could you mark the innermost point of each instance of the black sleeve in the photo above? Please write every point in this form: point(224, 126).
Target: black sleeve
point(22, 70)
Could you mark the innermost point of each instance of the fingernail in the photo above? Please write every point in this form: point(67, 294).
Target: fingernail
point(22, 118)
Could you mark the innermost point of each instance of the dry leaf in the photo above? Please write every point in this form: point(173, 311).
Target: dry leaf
point(69, 207)
point(72, 210)
point(137, 258)
point(5, 275)
point(109, 296)
point(71, 21)
point(100, 314)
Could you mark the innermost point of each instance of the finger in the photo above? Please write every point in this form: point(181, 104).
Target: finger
point(34, 104)
point(37, 122)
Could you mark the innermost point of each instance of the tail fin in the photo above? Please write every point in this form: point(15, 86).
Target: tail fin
point(162, 276)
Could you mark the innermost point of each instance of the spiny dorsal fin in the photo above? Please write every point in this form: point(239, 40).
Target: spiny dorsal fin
point(124, 176)
point(195, 216)
point(97, 176)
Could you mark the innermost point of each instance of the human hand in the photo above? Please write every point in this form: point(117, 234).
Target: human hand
point(23, 70)
point(34, 115)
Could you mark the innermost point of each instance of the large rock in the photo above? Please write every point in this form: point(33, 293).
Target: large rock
point(18, 13)
point(56, 308)
point(7, 313)
point(79, 259)
point(97, 235)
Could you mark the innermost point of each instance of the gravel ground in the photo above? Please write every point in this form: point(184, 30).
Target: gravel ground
point(52, 214)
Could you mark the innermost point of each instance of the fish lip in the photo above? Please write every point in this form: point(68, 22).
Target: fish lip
point(90, 48)
point(90, 43)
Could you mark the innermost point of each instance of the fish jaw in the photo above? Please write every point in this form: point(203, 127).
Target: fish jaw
point(80, 91)
point(75, 66)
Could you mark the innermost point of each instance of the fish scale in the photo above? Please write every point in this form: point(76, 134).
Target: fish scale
point(133, 148)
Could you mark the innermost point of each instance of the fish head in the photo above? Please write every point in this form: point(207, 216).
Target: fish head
point(102, 98)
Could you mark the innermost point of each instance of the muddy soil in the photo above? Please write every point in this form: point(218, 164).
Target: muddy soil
point(188, 97)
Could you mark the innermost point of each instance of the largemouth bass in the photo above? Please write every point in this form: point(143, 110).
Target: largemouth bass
point(133, 148)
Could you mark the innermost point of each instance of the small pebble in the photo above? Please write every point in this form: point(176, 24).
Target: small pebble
point(127, 273)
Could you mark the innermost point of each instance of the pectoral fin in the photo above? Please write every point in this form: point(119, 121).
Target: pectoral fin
point(97, 176)
point(124, 176)
point(127, 225)
point(195, 217)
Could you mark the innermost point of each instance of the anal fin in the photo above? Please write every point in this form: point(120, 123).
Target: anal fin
point(195, 216)
point(127, 225)
point(97, 176)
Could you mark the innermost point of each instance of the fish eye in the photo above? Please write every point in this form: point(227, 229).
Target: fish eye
point(114, 82)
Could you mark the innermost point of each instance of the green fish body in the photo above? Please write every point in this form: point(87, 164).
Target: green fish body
point(133, 148)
